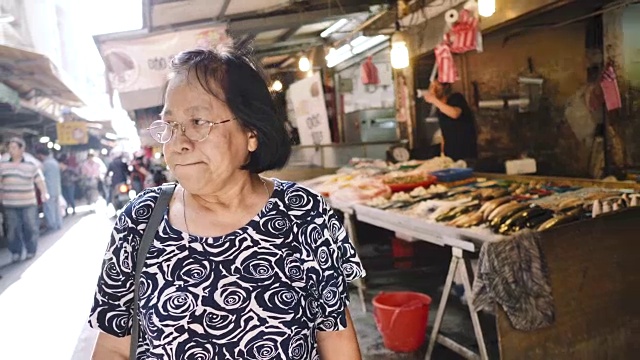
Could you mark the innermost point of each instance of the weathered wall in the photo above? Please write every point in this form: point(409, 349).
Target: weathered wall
point(369, 96)
point(560, 133)
point(622, 49)
point(565, 134)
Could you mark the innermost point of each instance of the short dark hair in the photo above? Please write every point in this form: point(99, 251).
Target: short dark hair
point(232, 70)
point(41, 150)
point(18, 141)
point(447, 88)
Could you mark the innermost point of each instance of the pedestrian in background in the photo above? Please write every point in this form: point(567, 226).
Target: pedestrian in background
point(70, 177)
point(139, 172)
point(92, 171)
point(18, 196)
point(51, 207)
point(117, 174)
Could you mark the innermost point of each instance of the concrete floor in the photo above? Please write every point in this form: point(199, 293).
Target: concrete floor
point(44, 302)
point(35, 301)
point(427, 276)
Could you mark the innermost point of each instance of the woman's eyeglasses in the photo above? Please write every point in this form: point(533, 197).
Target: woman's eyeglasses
point(195, 130)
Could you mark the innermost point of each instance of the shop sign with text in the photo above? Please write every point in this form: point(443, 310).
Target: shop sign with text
point(142, 63)
point(310, 110)
point(72, 133)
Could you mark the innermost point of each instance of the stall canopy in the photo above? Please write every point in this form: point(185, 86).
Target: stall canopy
point(281, 29)
point(33, 75)
point(22, 120)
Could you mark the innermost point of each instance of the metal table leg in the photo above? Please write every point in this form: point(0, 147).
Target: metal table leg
point(453, 267)
point(467, 278)
point(349, 223)
point(459, 264)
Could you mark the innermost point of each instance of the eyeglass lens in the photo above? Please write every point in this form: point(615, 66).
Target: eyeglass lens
point(162, 132)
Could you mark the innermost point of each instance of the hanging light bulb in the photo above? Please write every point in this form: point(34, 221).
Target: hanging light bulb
point(399, 55)
point(486, 8)
point(399, 50)
point(276, 86)
point(304, 64)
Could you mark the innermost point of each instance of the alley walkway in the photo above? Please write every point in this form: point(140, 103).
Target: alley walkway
point(44, 302)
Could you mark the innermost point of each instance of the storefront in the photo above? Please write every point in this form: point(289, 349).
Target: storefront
point(537, 93)
point(573, 221)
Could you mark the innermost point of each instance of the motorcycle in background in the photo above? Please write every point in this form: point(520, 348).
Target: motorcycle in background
point(121, 194)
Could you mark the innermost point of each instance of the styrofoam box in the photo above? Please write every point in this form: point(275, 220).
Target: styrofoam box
point(521, 166)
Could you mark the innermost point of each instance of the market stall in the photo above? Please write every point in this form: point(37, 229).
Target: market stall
point(467, 212)
point(594, 280)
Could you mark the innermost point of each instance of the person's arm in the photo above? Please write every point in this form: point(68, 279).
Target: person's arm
point(453, 112)
point(113, 301)
point(40, 183)
point(102, 169)
point(111, 169)
point(1, 186)
point(339, 345)
point(143, 170)
point(335, 332)
point(109, 347)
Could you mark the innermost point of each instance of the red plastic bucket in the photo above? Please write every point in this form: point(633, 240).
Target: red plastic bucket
point(401, 318)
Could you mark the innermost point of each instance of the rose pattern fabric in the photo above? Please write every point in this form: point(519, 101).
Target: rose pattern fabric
point(260, 292)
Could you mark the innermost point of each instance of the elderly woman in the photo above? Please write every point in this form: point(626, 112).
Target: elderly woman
point(241, 266)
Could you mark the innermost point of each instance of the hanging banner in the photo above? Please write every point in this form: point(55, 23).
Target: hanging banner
point(142, 63)
point(310, 111)
point(405, 105)
point(72, 133)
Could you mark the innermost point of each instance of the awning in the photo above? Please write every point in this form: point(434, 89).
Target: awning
point(28, 71)
point(137, 62)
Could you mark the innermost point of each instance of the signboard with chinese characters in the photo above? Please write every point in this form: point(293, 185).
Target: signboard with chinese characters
point(142, 63)
point(310, 111)
point(72, 133)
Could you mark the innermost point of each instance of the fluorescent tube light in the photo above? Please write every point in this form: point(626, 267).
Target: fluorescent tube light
point(333, 28)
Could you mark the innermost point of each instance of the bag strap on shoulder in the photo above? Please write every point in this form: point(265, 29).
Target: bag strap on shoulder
point(150, 231)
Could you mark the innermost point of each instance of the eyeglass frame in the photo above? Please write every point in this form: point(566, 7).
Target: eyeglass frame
point(173, 125)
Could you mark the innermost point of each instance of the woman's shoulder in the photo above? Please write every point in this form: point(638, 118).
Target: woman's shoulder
point(300, 200)
point(457, 97)
point(139, 209)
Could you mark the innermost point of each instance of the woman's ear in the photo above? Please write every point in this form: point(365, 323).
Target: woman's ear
point(252, 144)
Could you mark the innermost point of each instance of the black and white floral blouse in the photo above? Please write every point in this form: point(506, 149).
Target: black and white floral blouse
point(260, 292)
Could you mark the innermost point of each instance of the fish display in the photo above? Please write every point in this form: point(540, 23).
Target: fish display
point(561, 219)
point(499, 206)
point(506, 208)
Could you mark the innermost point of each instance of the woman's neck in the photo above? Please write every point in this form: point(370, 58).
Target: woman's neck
point(238, 194)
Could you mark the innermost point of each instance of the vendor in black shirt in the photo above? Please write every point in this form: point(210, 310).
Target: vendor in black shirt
point(457, 122)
